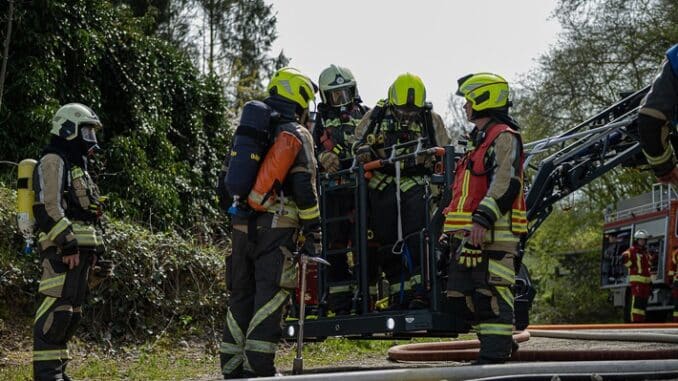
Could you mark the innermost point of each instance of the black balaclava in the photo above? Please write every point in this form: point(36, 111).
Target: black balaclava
point(75, 151)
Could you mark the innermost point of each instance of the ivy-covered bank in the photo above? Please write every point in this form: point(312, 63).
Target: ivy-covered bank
point(166, 125)
point(162, 283)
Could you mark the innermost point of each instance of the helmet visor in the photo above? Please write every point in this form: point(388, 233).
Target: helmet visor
point(340, 97)
point(406, 113)
point(89, 134)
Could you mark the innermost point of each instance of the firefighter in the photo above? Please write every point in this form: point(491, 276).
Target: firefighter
point(637, 260)
point(655, 118)
point(486, 217)
point(398, 213)
point(338, 114)
point(261, 271)
point(67, 208)
point(673, 274)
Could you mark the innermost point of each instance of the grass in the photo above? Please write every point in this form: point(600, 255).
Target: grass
point(158, 361)
point(178, 360)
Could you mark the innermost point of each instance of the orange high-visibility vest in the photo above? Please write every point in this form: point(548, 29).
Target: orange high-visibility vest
point(471, 183)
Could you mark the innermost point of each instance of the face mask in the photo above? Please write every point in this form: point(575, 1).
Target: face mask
point(89, 140)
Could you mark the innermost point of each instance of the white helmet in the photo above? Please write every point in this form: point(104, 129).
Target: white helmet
point(641, 234)
point(337, 86)
point(70, 117)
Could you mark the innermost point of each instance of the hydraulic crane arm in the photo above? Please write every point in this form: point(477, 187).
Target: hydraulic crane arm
point(581, 155)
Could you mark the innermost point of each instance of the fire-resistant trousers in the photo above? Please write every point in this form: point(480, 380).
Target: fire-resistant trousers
point(260, 273)
point(483, 295)
point(404, 268)
point(640, 292)
point(62, 294)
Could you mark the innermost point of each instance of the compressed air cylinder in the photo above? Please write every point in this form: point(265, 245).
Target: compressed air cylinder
point(250, 142)
point(25, 197)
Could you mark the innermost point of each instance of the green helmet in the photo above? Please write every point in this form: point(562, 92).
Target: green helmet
point(70, 117)
point(290, 84)
point(485, 91)
point(337, 86)
point(407, 90)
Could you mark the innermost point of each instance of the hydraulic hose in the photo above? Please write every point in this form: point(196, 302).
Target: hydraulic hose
point(589, 370)
point(467, 350)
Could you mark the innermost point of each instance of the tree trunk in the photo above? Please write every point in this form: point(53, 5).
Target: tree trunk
point(5, 53)
point(212, 28)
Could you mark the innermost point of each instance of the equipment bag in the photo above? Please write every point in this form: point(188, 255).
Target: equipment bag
point(250, 143)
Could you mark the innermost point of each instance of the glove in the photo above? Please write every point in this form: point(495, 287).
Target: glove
point(363, 153)
point(70, 248)
point(470, 255)
point(101, 270)
point(329, 161)
point(313, 242)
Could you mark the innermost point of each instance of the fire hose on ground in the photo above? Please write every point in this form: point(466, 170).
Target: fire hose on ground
point(467, 350)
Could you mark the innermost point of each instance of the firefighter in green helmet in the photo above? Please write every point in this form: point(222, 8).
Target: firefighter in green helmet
point(397, 193)
point(67, 208)
point(336, 119)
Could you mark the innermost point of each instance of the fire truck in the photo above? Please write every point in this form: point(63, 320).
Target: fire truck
point(555, 167)
point(657, 213)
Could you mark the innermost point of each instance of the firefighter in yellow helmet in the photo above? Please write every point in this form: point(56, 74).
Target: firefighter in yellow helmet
point(338, 115)
point(486, 216)
point(261, 271)
point(397, 215)
point(67, 208)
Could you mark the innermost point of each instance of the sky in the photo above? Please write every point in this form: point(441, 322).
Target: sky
point(439, 40)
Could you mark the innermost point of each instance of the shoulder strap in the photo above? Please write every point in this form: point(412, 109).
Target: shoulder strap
point(375, 118)
point(428, 125)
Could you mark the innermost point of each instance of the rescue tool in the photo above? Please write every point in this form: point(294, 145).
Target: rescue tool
point(304, 259)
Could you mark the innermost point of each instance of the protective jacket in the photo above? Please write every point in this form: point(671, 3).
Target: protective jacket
point(380, 128)
point(335, 128)
point(488, 193)
point(657, 111)
point(66, 203)
point(637, 260)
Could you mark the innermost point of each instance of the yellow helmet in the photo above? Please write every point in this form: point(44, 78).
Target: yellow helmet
point(290, 84)
point(407, 90)
point(485, 91)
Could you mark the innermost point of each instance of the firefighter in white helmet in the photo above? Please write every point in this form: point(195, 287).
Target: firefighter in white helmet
point(637, 260)
point(67, 208)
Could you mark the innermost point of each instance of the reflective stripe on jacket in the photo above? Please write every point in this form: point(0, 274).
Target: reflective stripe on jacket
point(470, 189)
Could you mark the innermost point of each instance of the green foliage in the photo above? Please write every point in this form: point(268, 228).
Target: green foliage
point(161, 281)
point(607, 47)
point(564, 261)
point(166, 126)
point(18, 274)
